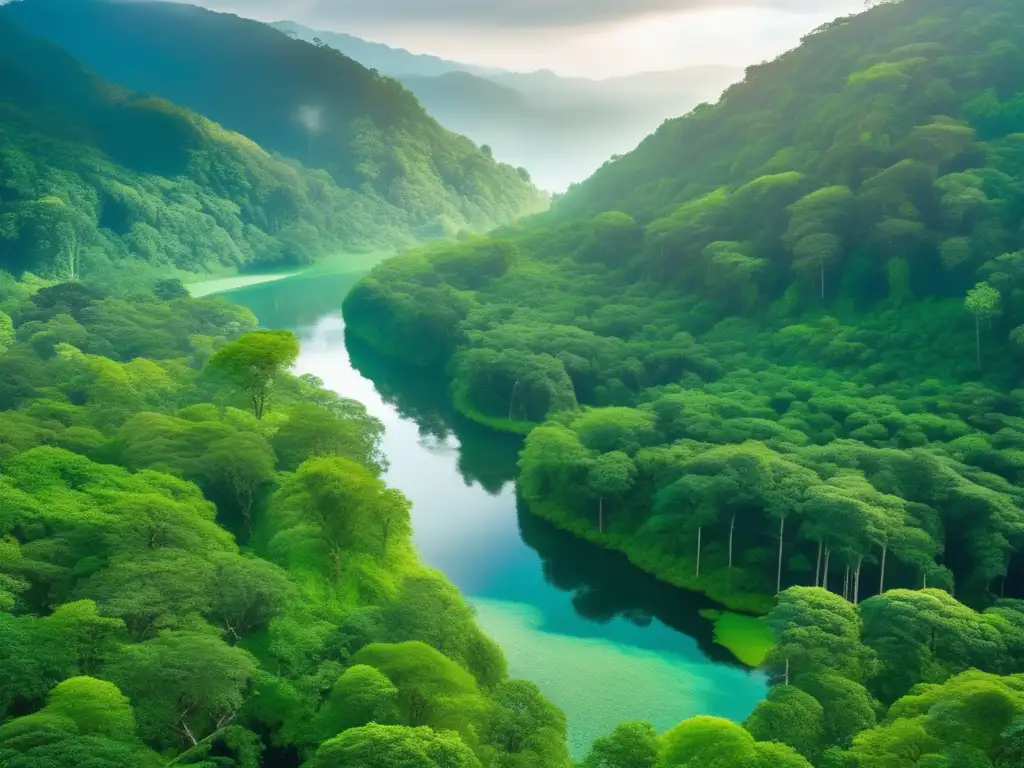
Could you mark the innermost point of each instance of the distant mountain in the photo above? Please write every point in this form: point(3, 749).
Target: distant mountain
point(396, 62)
point(561, 128)
point(96, 181)
point(304, 101)
point(564, 129)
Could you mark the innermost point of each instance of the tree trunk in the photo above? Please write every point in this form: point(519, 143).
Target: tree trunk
point(822, 262)
point(732, 527)
point(817, 567)
point(787, 670)
point(188, 731)
point(511, 399)
point(247, 501)
point(699, 529)
point(600, 515)
point(881, 578)
point(846, 583)
point(782, 533)
point(336, 563)
point(924, 577)
point(824, 574)
point(856, 581)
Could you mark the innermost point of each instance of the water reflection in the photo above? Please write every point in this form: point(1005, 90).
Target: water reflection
point(485, 457)
point(604, 640)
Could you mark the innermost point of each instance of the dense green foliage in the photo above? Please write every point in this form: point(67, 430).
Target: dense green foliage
point(781, 370)
point(137, 433)
point(762, 368)
point(773, 355)
point(397, 174)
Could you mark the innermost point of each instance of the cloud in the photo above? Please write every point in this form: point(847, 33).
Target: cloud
point(513, 13)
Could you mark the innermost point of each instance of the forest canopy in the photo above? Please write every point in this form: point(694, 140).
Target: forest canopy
point(778, 344)
point(203, 568)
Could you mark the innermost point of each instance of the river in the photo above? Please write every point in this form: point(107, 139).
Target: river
point(603, 640)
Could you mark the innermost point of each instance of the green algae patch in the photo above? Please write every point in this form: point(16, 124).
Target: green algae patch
point(748, 638)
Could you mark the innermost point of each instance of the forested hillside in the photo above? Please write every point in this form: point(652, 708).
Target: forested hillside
point(307, 102)
point(559, 128)
point(95, 179)
point(779, 343)
point(199, 564)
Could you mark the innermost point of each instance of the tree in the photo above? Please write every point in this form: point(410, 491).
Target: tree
point(6, 332)
point(848, 708)
point(431, 687)
point(524, 728)
point(168, 290)
point(362, 695)
point(789, 716)
point(237, 467)
point(244, 593)
point(818, 632)
point(393, 746)
point(630, 745)
point(253, 362)
point(95, 706)
point(186, 685)
point(391, 514)
point(982, 302)
point(611, 475)
point(340, 498)
point(707, 742)
point(85, 722)
point(314, 431)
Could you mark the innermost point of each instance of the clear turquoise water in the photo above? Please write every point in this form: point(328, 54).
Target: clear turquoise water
point(603, 640)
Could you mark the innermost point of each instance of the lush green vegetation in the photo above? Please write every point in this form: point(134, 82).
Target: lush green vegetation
point(789, 355)
point(96, 181)
point(398, 175)
point(199, 564)
point(773, 355)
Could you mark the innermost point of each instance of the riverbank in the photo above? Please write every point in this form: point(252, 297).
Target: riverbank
point(233, 280)
point(674, 571)
point(601, 639)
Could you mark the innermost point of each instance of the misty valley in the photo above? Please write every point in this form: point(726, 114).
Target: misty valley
point(435, 386)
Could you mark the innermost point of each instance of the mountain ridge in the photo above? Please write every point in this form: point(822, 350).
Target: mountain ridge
point(316, 105)
point(560, 128)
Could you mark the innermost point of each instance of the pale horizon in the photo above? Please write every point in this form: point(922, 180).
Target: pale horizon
point(618, 39)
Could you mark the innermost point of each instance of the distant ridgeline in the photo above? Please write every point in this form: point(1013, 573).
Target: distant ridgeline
point(92, 175)
point(779, 343)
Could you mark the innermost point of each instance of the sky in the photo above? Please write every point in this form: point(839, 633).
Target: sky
point(597, 38)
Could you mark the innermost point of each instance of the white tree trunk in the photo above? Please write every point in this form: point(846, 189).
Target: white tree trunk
point(824, 575)
point(600, 515)
point(732, 527)
point(856, 581)
point(782, 533)
point(881, 578)
point(817, 567)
